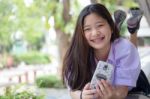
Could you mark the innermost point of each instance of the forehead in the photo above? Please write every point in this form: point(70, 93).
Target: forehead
point(93, 18)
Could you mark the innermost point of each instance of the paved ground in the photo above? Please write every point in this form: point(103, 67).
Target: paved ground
point(56, 93)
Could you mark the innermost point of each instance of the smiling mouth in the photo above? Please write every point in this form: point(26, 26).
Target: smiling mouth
point(97, 40)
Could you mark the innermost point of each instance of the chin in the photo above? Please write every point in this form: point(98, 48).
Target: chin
point(98, 47)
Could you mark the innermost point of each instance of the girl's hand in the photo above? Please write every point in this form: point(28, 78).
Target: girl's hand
point(105, 90)
point(88, 93)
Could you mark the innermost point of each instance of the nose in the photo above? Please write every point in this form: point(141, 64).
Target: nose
point(95, 32)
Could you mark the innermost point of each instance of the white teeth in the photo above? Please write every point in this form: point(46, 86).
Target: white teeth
point(98, 40)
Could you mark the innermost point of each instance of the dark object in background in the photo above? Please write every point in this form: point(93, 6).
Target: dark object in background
point(136, 96)
point(142, 85)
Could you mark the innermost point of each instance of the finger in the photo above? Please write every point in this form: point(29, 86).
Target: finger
point(87, 86)
point(99, 91)
point(108, 89)
point(107, 86)
point(101, 86)
point(95, 96)
point(89, 92)
point(110, 85)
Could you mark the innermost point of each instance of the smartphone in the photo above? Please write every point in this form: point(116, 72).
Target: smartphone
point(104, 71)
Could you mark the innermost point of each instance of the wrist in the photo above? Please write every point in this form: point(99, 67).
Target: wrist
point(134, 34)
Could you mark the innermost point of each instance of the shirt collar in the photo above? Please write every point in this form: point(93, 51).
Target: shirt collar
point(111, 57)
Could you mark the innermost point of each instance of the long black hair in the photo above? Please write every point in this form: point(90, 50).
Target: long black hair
point(79, 62)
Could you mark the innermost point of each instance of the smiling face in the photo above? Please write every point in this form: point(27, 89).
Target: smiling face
point(97, 31)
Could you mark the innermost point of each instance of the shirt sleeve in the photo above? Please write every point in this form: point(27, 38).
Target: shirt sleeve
point(127, 64)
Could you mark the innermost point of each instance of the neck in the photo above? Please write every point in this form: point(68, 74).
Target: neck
point(102, 54)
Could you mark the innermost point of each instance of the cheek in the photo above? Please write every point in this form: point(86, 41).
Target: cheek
point(109, 33)
point(87, 36)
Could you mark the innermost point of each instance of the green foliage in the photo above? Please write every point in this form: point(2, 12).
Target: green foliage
point(3, 62)
point(58, 17)
point(130, 3)
point(32, 58)
point(123, 29)
point(66, 27)
point(5, 23)
point(15, 15)
point(74, 13)
point(11, 93)
point(110, 4)
point(34, 39)
point(49, 81)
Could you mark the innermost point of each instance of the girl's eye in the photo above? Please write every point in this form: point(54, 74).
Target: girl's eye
point(86, 29)
point(99, 25)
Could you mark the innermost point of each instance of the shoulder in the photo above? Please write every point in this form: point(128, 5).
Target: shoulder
point(123, 44)
point(123, 47)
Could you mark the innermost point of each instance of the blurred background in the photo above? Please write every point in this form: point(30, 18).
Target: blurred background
point(34, 36)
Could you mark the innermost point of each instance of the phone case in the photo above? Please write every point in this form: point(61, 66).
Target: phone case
point(104, 71)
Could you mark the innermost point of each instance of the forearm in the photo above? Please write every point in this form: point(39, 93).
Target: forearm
point(75, 94)
point(121, 92)
point(134, 39)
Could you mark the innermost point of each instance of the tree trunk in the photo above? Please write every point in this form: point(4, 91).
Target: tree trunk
point(63, 38)
point(66, 10)
point(94, 1)
point(145, 6)
point(63, 43)
point(119, 2)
